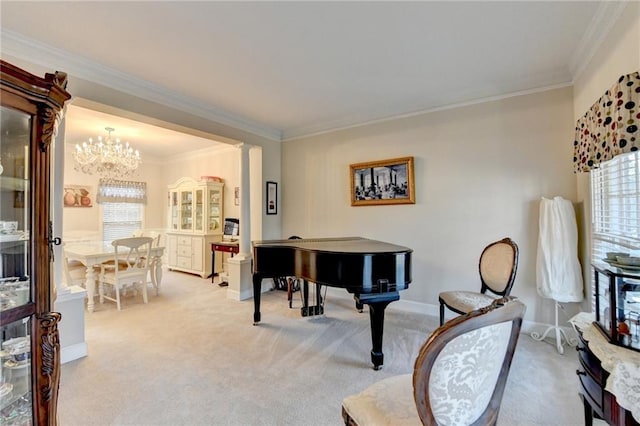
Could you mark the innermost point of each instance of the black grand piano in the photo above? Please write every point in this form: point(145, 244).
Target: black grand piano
point(373, 271)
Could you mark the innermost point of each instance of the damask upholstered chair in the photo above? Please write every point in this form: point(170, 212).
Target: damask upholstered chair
point(498, 265)
point(458, 378)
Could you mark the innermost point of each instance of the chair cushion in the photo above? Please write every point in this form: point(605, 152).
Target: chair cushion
point(388, 402)
point(465, 301)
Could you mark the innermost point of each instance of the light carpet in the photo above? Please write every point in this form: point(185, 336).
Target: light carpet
point(192, 357)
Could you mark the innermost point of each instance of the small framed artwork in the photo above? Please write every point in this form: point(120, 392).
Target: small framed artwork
point(77, 196)
point(272, 198)
point(382, 182)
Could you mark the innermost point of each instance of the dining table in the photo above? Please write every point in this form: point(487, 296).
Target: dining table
point(93, 253)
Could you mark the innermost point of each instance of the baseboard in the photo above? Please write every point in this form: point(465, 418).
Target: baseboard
point(267, 285)
point(73, 352)
point(434, 310)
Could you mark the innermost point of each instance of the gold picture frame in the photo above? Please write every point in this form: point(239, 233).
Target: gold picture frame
point(382, 182)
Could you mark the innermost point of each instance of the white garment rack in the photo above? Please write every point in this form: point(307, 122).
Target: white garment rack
point(561, 335)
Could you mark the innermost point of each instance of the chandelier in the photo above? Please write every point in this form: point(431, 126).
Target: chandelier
point(108, 158)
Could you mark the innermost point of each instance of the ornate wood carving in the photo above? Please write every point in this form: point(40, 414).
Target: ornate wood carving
point(49, 124)
point(50, 346)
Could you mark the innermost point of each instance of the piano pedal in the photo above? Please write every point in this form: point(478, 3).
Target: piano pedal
point(309, 311)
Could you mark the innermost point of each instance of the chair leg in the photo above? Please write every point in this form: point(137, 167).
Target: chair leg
point(117, 296)
point(144, 291)
point(441, 313)
point(101, 291)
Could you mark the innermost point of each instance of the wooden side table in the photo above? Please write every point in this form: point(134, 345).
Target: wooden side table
point(225, 247)
point(598, 402)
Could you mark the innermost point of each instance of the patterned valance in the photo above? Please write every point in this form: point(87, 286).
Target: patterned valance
point(121, 191)
point(610, 127)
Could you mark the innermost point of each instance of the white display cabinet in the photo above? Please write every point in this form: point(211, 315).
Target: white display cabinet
point(195, 222)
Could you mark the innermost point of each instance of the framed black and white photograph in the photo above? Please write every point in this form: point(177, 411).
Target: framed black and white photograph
point(382, 182)
point(272, 198)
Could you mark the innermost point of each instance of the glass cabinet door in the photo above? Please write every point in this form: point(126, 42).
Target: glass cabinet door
point(186, 210)
point(15, 386)
point(174, 210)
point(214, 213)
point(15, 287)
point(15, 282)
point(199, 209)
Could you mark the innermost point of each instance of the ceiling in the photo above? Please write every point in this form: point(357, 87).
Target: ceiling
point(284, 70)
point(155, 143)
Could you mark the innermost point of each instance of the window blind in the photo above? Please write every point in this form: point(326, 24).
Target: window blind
point(615, 191)
point(122, 207)
point(120, 220)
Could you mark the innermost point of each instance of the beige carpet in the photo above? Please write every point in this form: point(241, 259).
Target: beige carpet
point(192, 357)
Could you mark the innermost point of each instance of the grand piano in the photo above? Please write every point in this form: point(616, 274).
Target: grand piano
point(373, 271)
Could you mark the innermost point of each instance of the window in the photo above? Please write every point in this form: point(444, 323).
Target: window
point(120, 220)
point(122, 207)
point(615, 198)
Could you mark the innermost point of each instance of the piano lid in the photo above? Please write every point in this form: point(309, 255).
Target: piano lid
point(356, 245)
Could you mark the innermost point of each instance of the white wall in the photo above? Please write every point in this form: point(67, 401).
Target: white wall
point(618, 54)
point(480, 172)
point(222, 162)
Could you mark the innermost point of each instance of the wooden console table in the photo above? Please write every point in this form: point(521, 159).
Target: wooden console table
point(232, 247)
point(598, 401)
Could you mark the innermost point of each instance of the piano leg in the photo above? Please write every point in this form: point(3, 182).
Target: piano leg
point(377, 304)
point(257, 290)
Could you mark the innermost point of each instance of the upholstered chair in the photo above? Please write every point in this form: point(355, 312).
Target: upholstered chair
point(497, 266)
point(458, 378)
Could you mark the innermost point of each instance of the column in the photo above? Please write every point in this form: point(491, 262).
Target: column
point(240, 278)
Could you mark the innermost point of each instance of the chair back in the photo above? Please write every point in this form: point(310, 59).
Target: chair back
point(461, 371)
point(74, 271)
point(131, 254)
point(498, 265)
point(155, 235)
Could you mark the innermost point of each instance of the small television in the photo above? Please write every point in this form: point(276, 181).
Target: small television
point(231, 229)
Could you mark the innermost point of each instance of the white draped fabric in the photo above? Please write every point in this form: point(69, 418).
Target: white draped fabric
point(558, 272)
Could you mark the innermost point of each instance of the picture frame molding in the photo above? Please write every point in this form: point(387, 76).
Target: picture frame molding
point(410, 186)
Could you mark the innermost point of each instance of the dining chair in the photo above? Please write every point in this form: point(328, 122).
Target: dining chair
point(74, 272)
point(129, 268)
point(459, 375)
point(155, 235)
point(154, 259)
point(497, 266)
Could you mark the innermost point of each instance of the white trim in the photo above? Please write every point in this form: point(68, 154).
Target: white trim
point(73, 352)
point(434, 310)
point(19, 46)
point(335, 126)
point(605, 17)
point(267, 285)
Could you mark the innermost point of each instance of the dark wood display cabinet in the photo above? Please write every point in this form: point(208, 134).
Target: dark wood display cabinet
point(30, 351)
point(617, 303)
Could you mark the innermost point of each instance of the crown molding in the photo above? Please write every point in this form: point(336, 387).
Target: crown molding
point(199, 153)
point(42, 54)
point(603, 20)
point(310, 131)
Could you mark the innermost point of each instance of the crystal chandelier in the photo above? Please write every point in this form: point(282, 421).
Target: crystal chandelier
point(108, 158)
